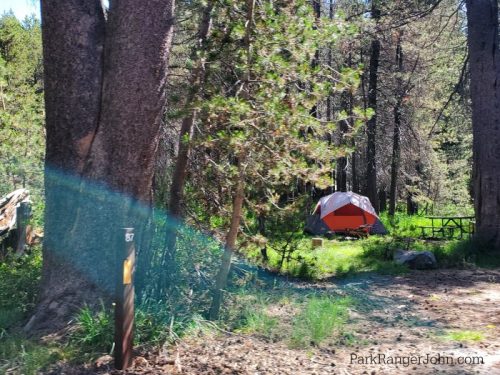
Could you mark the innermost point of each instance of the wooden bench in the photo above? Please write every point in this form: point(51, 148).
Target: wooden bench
point(445, 231)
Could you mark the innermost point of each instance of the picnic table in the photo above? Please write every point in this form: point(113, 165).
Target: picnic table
point(446, 226)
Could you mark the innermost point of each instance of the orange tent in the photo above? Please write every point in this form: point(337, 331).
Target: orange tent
point(344, 211)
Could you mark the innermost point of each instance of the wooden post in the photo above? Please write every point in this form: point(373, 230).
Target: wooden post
point(22, 216)
point(124, 300)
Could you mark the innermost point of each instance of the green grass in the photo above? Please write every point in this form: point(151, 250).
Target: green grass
point(335, 258)
point(23, 356)
point(463, 336)
point(320, 318)
point(301, 320)
point(19, 278)
point(258, 321)
point(342, 258)
point(403, 225)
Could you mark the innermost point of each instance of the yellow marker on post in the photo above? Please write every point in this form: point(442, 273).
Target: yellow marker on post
point(124, 300)
point(127, 272)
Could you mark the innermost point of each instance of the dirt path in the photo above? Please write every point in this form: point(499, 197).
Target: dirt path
point(399, 317)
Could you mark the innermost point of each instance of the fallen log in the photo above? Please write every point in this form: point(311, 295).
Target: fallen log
point(14, 217)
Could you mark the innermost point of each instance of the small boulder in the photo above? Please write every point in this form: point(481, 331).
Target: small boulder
point(417, 260)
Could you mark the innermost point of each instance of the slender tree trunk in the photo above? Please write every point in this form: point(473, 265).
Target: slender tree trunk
point(343, 128)
point(371, 170)
point(104, 95)
point(382, 199)
point(396, 148)
point(239, 194)
point(482, 22)
point(354, 172)
point(176, 200)
point(232, 235)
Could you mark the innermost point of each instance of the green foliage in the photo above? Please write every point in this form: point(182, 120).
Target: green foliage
point(19, 279)
point(460, 253)
point(403, 225)
point(93, 331)
point(320, 318)
point(335, 258)
point(22, 139)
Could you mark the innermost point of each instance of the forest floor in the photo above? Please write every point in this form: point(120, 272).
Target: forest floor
point(454, 314)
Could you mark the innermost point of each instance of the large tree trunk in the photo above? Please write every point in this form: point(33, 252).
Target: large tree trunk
point(371, 170)
point(482, 22)
point(104, 104)
point(396, 147)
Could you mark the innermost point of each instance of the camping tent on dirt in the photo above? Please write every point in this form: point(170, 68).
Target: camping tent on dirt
point(343, 212)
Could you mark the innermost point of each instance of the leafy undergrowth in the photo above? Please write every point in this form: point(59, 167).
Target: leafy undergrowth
point(19, 278)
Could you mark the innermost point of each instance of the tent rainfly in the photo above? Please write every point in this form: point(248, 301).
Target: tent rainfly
point(344, 211)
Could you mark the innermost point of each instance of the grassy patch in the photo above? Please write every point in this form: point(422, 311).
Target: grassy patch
point(403, 225)
point(19, 278)
point(22, 356)
point(463, 336)
point(258, 321)
point(93, 331)
point(320, 318)
point(334, 258)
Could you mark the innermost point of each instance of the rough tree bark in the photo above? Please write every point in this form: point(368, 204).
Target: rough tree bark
point(371, 170)
point(484, 54)
point(104, 94)
point(396, 147)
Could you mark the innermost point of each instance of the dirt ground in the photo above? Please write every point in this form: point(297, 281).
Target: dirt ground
point(400, 319)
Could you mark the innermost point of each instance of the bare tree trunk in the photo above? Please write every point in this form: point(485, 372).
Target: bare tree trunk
point(482, 22)
point(382, 200)
point(105, 99)
point(354, 172)
point(343, 128)
point(371, 170)
point(239, 194)
point(232, 235)
point(185, 136)
point(396, 148)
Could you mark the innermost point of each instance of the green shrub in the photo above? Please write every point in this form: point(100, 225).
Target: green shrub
point(94, 330)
